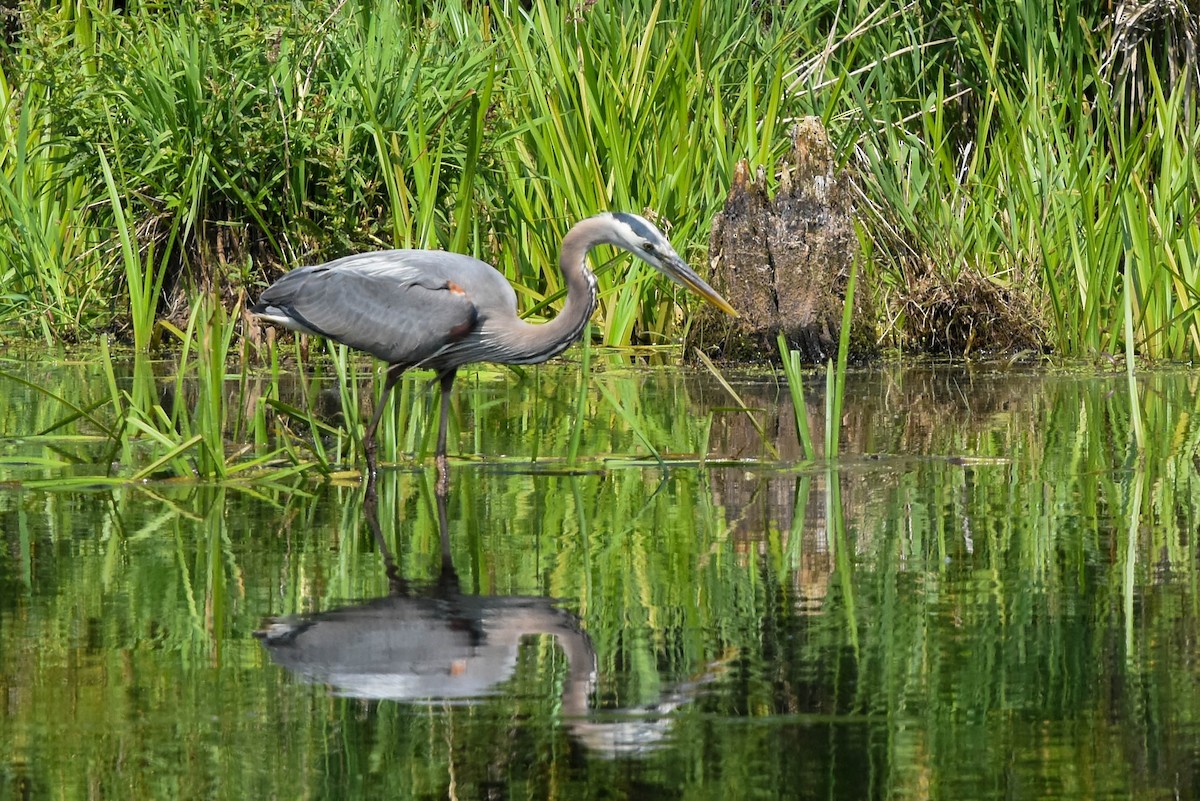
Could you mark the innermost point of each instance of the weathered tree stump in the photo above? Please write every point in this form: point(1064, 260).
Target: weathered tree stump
point(784, 262)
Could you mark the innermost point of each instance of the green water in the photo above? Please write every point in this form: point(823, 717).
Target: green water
point(992, 594)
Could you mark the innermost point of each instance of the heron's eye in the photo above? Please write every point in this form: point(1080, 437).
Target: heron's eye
point(648, 247)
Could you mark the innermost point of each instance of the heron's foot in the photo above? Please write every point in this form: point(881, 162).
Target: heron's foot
point(443, 471)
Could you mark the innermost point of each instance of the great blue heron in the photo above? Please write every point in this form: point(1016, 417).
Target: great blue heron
point(440, 310)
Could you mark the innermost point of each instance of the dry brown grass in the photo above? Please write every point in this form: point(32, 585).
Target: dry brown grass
point(968, 315)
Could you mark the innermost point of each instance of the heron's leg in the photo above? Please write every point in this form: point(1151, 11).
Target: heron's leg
point(393, 375)
point(443, 467)
point(447, 578)
point(371, 510)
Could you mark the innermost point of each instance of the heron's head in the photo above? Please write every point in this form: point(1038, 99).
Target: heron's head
point(641, 238)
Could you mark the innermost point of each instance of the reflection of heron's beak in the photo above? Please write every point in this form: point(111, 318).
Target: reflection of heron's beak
point(678, 270)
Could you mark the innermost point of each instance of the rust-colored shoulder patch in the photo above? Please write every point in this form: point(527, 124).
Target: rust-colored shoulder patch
point(455, 288)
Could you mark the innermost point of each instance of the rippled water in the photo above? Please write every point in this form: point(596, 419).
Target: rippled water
point(992, 593)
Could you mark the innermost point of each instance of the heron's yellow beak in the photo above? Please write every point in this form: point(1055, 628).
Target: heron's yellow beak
point(679, 270)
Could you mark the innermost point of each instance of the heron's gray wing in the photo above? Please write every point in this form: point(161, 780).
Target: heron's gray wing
point(398, 308)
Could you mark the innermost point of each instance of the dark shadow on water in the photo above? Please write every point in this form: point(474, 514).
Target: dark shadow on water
point(430, 643)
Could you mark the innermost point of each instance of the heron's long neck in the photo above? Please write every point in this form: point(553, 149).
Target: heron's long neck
point(575, 643)
point(537, 343)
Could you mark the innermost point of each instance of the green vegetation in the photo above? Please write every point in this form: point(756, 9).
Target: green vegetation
point(213, 144)
point(1041, 157)
point(1024, 182)
point(987, 590)
point(135, 420)
point(206, 417)
point(835, 384)
point(1023, 168)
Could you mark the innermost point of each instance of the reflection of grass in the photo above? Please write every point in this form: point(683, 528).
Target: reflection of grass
point(962, 624)
point(1001, 150)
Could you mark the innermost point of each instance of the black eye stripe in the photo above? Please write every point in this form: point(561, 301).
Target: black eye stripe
point(636, 224)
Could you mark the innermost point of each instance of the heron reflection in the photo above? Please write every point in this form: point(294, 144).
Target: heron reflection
point(434, 644)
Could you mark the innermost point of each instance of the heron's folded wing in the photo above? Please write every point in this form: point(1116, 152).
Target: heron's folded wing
point(400, 318)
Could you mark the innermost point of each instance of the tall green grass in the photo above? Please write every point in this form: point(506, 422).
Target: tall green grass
point(49, 285)
point(1017, 163)
point(215, 144)
point(648, 109)
point(150, 153)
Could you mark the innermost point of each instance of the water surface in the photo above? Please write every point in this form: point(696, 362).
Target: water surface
point(991, 593)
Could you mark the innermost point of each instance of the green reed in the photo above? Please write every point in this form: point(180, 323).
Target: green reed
point(210, 137)
point(145, 150)
point(647, 109)
point(793, 375)
point(1022, 166)
point(51, 280)
point(835, 382)
point(140, 420)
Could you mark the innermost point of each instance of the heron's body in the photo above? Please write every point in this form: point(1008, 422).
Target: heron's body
point(439, 310)
point(418, 308)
